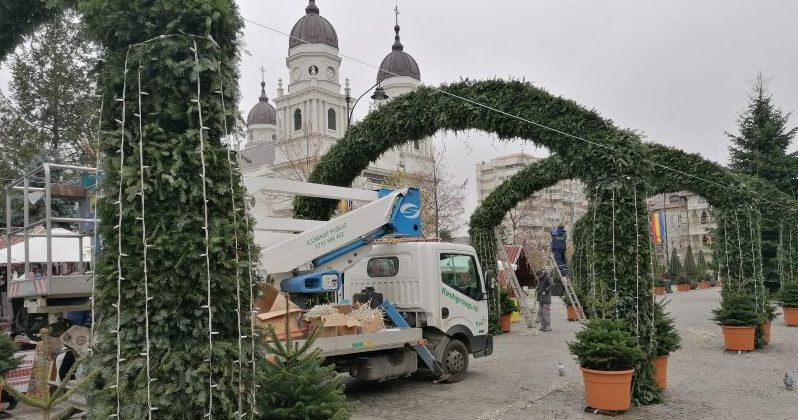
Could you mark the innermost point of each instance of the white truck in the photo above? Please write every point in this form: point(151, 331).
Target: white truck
point(435, 294)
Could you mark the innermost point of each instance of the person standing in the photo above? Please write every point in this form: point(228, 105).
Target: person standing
point(558, 246)
point(668, 278)
point(543, 292)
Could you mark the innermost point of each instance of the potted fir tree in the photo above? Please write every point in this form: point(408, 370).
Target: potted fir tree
point(506, 308)
point(704, 281)
point(738, 316)
point(788, 299)
point(608, 355)
point(667, 341)
point(659, 286)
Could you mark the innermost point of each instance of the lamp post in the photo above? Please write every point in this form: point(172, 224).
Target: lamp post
point(378, 94)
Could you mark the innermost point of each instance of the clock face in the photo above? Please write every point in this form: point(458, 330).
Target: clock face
point(313, 70)
point(295, 74)
point(330, 73)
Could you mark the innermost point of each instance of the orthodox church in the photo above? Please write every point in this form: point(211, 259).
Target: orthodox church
point(286, 139)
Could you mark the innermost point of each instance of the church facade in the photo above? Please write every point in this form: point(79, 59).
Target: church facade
point(309, 115)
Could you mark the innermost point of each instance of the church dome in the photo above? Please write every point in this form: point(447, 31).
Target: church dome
point(313, 29)
point(398, 62)
point(263, 112)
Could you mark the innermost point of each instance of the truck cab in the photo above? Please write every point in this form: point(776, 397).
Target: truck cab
point(437, 287)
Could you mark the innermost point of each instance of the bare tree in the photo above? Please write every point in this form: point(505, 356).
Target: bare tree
point(300, 157)
point(442, 198)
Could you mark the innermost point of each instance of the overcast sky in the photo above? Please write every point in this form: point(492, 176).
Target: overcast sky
point(678, 71)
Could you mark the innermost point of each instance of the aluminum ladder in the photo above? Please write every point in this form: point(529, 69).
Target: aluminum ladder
point(526, 312)
point(569, 288)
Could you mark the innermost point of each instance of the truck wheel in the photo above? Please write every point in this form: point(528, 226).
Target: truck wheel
point(455, 361)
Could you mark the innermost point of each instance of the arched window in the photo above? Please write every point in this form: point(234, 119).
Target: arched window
point(704, 217)
point(297, 120)
point(705, 240)
point(331, 119)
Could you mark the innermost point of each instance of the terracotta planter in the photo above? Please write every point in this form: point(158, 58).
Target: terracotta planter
point(738, 338)
point(661, 370)
point(608, 390)
point(791, 317)
point(766, 330)
point(703, 285)
point(505, 322)
point(571, 313)
point(683, 287)
point(659, 290)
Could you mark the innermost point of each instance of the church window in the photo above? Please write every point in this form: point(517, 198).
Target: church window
point(704, 218)
point(416, 145)
point(331, 119)
point(297, 120)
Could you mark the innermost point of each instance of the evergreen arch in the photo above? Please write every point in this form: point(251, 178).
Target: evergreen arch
point(618, 169)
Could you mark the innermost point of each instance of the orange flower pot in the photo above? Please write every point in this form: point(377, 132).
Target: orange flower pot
point(738, 338)
point(703, 285)
point(608, 390)
point(571, 313)
point(683, 287)
point(505, 322)
point(661, 371)
point(659, 290)
point(791, 317)
point(766, 330)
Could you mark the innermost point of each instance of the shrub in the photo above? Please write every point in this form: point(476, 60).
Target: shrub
point(666, 337)
point(604, 344)
point(7, 359)
point(683, 280)
point(737, 310)
point(788, 295)
point(296, 385)
point(506, 305)
point(693, 285)
point(659, 282)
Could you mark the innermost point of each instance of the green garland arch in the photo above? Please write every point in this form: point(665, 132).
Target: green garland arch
point(611, 164)
point(615, 165)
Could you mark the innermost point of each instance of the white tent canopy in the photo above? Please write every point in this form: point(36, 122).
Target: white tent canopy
point(65, 249)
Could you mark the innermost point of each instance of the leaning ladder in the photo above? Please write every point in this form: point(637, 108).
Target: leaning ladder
point(504, 260)
point(569, 288)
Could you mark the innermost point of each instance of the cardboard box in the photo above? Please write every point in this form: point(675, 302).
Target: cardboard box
point(334, 325)
point(374, 325)
point(343, 308)
point(273, 308)
point(350, 327)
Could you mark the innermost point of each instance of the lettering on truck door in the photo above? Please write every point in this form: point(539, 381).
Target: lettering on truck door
point(460, 293)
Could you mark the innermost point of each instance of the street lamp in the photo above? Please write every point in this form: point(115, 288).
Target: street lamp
point(379, 93)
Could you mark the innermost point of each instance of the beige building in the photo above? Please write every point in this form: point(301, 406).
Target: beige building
point(688, 221)
point(530, 222)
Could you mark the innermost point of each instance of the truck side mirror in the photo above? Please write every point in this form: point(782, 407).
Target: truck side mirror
point(490, 280)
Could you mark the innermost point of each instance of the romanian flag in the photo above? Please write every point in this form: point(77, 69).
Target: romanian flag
point(657, 225)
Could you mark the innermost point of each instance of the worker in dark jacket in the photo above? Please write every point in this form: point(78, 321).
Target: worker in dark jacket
point(543, 291)
point(558, 246)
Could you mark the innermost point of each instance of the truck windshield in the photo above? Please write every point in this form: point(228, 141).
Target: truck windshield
point(460, 273)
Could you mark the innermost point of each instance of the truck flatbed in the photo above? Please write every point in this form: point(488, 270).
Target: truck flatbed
point(389, 338)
